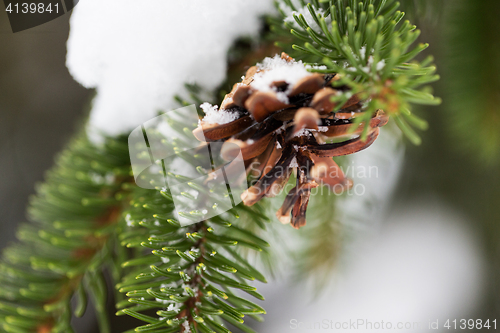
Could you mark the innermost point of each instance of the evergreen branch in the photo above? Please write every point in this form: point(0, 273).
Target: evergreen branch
point(73, 217)
point(369, 45)
point(191, 276)
point(191, 270)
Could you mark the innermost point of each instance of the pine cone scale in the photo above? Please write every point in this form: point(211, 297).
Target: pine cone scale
point(263, 104)
point(344, 148)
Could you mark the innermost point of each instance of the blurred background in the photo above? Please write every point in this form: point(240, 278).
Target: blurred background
point(434, 252)
point(40, 107)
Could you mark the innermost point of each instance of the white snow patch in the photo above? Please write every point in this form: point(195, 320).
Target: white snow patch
point(276, 69)
point(309, 66)
point(323, 128)
point(186, 327)
point(129, 220)
point(281, 129)
point(138, 57)
point(380, 65)
point(363, 52)
point(173, 307)
point(303, 132)
point(282, 97)
point(215, 116)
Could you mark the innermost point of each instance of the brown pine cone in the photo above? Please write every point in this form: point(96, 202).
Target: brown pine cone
point(281, 116)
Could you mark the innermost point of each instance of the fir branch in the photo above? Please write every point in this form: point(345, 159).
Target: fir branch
point(62, 251)
point(189, 277)
point(369, 45)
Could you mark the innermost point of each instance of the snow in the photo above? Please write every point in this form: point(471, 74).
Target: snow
point(293, 163)
point(276, 69)
point(186, 327)
point(323, 128)
point(129, 220)
point(282, 97)
point(309, 66)
point(138, 56)
point(362, 51)
point(173, 307)
point(215, 116)
point(281, 129)
point(367, 69)
point(380, 65)
point(272, 63)
point(303, 132)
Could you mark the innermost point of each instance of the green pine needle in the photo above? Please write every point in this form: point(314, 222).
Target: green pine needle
point(370, 46)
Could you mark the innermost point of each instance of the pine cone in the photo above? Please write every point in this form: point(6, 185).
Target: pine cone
point(281, 116)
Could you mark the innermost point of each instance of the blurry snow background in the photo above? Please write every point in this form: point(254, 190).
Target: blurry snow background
point(418, 267)
point(419, 263)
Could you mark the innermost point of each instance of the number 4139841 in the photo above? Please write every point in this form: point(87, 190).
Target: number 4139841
point(25, 8)
point(470, 324)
